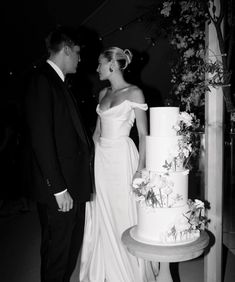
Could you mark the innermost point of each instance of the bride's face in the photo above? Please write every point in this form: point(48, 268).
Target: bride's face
point(103, 68)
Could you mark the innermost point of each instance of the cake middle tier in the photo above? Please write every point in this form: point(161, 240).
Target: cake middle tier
point(170, 189)
point(161, 150)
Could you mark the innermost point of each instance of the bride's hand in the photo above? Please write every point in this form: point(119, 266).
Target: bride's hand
point(137, 174)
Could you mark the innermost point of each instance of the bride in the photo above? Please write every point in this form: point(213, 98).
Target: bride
point(117, 163)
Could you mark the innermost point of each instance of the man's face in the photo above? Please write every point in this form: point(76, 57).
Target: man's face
point(72, 58)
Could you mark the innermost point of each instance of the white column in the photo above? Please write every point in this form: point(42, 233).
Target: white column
point(214, 112)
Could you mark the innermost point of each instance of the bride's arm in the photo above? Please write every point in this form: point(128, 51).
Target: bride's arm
point(141, 123)
point(96, 134)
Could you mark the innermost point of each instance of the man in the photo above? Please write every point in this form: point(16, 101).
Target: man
point(61, 157)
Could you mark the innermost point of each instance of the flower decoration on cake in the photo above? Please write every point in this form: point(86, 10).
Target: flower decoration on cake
point(196, 215)
point(155, 190)
point(179, 155)
point(192, 222)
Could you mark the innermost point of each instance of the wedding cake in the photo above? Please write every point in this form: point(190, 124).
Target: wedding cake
point(165, 214)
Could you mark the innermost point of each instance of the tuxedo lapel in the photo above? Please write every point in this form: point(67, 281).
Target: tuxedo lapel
point(73, 108)
point(75, 115)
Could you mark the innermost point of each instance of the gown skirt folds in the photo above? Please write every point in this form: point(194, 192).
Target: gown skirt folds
point(113, 208)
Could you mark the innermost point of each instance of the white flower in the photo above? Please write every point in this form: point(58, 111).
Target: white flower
point(186, 118)
point(138, 182)
point(176, 127)
point(188, 77)
point(166, 8)
point(189, 53)
point(198, 203)
point(185, 152)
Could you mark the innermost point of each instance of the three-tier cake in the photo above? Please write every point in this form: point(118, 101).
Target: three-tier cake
point(165, 214)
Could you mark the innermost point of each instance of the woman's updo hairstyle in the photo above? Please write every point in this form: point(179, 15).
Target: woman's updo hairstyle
point(122, 57)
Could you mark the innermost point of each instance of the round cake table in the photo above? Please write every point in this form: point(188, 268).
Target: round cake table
point(165, 254)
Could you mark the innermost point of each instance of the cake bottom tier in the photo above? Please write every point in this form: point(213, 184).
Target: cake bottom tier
point(164, 226)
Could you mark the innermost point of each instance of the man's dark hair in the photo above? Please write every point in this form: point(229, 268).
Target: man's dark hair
point(60, 37)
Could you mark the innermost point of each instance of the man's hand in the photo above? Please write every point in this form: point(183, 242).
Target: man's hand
point(64, 201)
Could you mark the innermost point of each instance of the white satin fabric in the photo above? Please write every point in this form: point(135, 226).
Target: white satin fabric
point(113, 209)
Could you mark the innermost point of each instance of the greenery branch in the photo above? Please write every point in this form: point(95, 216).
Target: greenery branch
point(183, 23)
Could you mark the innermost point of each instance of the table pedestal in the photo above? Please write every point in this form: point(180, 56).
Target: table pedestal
point(165, 254)
point(164, 274)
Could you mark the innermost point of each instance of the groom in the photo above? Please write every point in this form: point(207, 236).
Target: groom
point(61, 157)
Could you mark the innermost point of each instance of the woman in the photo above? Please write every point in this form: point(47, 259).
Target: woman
point(117, 162)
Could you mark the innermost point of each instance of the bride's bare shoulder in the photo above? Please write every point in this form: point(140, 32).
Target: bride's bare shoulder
point(136, 95)
point(102, 93)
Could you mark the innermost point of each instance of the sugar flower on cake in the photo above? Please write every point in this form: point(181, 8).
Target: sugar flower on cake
point(186, 123)
point(196, 214)
point(140, 188)
point(155, 190)
point(186, 118)
point(180, 154)
point(191, 223)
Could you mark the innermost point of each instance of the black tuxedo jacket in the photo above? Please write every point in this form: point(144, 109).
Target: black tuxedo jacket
point(61, 152)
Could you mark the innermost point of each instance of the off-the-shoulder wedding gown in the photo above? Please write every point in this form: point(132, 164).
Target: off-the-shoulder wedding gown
point(113, 210)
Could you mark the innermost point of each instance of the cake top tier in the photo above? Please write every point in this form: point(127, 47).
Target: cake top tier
point(163, 120)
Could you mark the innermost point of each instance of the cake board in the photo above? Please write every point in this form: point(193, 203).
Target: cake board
point(165, 254)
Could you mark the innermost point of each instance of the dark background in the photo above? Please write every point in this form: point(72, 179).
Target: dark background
point(26, 24)
point(102, 23)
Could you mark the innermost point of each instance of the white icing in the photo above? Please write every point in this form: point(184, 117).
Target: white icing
point(163, 120)
point(164, 225)
point(159, 150)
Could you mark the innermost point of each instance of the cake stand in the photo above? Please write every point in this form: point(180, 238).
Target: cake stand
point(165, 254)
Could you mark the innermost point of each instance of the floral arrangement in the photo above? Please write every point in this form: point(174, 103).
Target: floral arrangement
point(187, 37)
point(194, 220)
point(195, 69)
point(179, 157)
point(155, 190)
point(192, 71)
point(191, 223)
point(196, 214)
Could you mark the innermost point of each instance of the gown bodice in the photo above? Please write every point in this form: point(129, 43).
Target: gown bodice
point(117, 121)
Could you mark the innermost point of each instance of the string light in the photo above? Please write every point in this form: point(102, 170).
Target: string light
point(124, 27)
point(121, 28)
point(152, 40)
